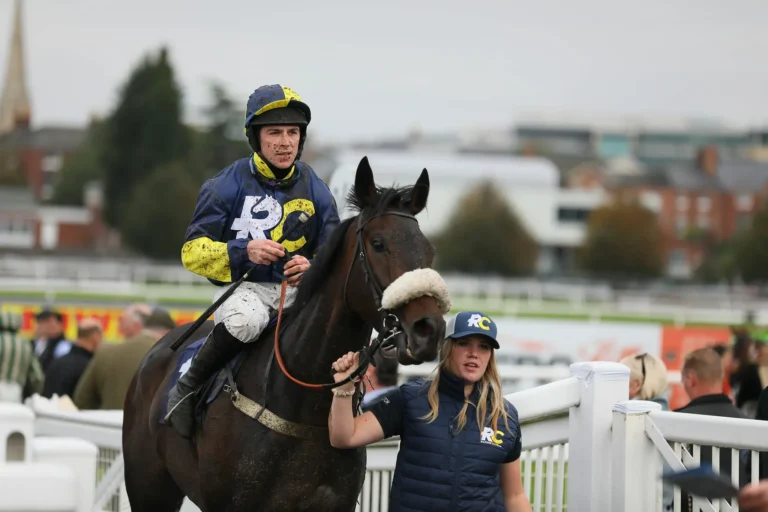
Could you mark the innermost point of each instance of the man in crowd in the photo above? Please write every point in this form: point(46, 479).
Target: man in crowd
point(131, 322)
point(108, 376)
point(702, 379)
point(51, 343)
point(63, 373)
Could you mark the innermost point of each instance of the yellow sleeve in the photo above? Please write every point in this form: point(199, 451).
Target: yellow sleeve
point(207, 258)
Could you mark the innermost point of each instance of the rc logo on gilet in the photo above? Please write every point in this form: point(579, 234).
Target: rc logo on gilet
point(488, 436)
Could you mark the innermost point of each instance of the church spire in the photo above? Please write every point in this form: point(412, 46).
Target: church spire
point(14, 102)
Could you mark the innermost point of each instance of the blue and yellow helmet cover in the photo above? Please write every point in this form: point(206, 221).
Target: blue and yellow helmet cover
point(267, 98)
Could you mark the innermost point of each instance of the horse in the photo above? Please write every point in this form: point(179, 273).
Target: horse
point(271, 451)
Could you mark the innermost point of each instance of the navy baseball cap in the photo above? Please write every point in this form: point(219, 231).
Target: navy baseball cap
point(467, 323)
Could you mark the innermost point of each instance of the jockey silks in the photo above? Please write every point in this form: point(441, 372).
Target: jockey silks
point(244, 202)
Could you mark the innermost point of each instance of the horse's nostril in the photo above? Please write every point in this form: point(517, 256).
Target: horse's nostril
point(424, 327)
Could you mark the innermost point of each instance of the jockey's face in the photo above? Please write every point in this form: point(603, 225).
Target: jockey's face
point(280, 145)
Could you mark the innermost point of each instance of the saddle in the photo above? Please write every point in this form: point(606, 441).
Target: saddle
point(209, 391)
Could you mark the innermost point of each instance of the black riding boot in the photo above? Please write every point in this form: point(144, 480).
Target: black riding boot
point(219, 348)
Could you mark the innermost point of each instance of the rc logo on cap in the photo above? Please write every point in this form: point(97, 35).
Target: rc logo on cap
point(468, 323)
point(483, 322)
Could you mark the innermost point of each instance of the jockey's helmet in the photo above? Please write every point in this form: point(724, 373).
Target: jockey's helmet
point(275, 105)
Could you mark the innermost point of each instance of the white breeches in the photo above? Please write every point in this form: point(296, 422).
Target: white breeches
point(246, 312)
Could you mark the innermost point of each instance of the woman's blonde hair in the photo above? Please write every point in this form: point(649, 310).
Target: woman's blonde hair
point(490, 392)
point(655, 379)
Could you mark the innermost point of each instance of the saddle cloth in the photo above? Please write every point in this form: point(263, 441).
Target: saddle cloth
point(211, 389)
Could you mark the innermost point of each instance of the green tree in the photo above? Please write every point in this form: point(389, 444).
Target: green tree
point(144, 132)
point(624, 240)
point(159, 210)
point(753, 251)
point(224, 139)
point(82, 166)
point(720, 263)
point(484, 236)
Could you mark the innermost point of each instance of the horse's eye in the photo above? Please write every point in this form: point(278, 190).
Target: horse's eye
point(378, 245)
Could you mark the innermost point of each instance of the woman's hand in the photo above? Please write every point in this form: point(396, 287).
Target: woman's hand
point(344, 367)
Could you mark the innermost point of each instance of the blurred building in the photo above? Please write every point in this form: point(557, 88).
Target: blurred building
point(30, 160)
point(705, 180)
point(555, 217)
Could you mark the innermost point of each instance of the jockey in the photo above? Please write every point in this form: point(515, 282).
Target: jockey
point(240, 213)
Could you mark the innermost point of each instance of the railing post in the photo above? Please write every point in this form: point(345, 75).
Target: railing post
point(589, 466)
point(636, 463)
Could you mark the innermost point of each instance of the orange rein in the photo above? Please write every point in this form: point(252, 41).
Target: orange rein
point(277, 345)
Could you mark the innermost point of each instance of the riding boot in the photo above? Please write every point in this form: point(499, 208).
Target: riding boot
point(212, 356)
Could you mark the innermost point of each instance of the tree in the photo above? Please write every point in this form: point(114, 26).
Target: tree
point(143, 133)
point(753, 251)
point(225, 138)
point(484, 236)
point(82, 166)
point(720, 263)
point(159, 211)
point(623, 240)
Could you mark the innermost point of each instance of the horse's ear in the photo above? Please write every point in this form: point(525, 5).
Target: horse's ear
point(365, 187)
point(420, 193)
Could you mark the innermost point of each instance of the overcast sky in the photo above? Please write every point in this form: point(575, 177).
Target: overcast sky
point(381, 68)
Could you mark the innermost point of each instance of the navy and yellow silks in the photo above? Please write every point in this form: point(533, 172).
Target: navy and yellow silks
point(244, 202)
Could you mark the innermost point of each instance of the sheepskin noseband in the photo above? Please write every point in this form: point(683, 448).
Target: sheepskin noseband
point(415, 284)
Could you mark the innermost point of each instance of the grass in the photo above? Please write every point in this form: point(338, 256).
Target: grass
point(530, 467)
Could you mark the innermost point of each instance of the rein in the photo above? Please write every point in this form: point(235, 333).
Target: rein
point(390, 322)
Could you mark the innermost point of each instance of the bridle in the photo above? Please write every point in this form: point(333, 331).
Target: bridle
point(390, 323)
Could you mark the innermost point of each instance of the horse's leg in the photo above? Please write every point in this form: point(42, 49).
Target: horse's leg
point(147, 481)
point(151, 488)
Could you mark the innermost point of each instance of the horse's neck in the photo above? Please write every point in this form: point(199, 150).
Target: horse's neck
point(324, 330)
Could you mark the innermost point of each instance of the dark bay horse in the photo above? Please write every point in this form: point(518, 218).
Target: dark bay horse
point(236, 463)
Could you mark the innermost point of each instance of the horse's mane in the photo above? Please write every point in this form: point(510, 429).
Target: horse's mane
point(327, 256)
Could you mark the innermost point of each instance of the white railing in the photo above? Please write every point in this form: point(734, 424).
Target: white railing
point(65, 273)
point(583, 422)
point(645, 438)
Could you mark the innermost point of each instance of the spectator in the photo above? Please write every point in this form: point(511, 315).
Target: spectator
point(132, 320)
point(702, 378)
point(726, 354)
point(762, 414)
point(108, 376)
point(63, 374)
point(754, 497)
point(51, 344)
point(743, 349)
point(647, 379)
point(380, 378)
point(20, 371)
point(754, 378)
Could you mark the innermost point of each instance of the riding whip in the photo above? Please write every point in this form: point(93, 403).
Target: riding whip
point(303, 218)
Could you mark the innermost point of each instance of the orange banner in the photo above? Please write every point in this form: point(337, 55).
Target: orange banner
point(109, 318)
point(676, 342)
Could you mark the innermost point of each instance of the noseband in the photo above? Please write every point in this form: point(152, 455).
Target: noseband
point(390, 323)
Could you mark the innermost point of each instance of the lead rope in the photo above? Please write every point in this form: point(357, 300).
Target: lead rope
point(366, 353)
